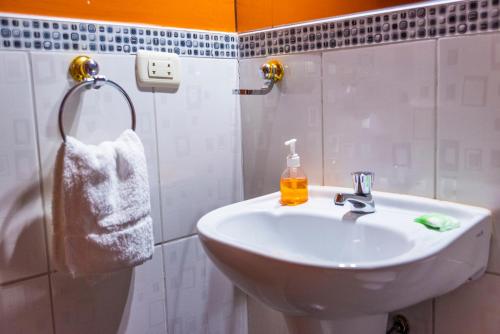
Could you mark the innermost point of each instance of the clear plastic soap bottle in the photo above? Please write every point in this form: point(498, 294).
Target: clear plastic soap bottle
point(293, 183)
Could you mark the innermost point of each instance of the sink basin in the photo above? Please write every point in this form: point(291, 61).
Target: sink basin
point(305, 238)
point(329, 270)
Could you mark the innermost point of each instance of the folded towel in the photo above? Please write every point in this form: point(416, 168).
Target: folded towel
point(101, 206)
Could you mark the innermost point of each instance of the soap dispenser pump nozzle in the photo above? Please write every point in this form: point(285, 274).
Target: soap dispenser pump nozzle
point(293, 159)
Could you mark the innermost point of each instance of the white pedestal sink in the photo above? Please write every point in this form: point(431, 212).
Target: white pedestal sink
point(332, 271)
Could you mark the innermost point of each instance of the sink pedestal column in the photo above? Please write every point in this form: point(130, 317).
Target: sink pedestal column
point(373, 324)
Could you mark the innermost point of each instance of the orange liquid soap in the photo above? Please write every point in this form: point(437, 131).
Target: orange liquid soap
point(293, 191)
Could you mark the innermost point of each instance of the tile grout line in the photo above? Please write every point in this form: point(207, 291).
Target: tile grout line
point(433, 329)
point(436, 85)
point(51, 272)
point(239, 109)
point(322, 96)
point(187, 236)
point(239, 131)
point(157, 152)
point(160, 194)
point(165, 293)
point(42, 192)
point(27, 278)
point(436, 153)
point(436, 118)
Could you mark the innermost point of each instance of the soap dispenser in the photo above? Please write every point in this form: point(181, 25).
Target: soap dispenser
point(293, 183)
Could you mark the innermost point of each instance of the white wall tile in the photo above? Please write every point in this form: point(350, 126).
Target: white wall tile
point(93, 115)
point(22, 238)
point(372, 121)
point(199, 144)
point(468, 168)
point(25, 307)
point(200, 299)
point(472, 308)
point(379, 115)
point(130, 301)
point(291, 110)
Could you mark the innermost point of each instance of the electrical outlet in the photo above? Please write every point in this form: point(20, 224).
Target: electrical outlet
point(158, 69)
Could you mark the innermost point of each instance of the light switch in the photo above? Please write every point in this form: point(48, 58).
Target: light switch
point(158, 69)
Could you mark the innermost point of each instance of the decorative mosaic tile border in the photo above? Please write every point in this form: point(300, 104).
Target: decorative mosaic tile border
point(51, 34)
point(427, 20)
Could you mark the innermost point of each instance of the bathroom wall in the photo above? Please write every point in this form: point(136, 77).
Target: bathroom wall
point(424, 115)
point(195, 14)
point(260, 14)
point(192, 142)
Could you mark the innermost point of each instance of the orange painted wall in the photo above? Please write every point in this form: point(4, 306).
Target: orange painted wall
point(197, 14)
point(194, 14)
point(259, 14)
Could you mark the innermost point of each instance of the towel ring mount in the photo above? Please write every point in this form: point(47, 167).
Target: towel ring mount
point(85, 70)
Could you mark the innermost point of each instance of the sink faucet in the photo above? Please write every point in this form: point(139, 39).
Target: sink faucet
point(361, 200)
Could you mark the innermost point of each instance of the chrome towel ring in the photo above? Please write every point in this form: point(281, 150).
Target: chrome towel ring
point(84, 69)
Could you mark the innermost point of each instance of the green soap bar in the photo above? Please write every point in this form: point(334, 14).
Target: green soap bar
point(438, 222)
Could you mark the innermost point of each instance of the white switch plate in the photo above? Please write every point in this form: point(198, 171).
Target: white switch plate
point(158, 69)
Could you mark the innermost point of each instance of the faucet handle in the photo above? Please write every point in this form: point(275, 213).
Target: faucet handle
point(362, 182)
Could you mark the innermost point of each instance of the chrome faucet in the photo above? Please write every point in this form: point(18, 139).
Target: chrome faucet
point(361, 200)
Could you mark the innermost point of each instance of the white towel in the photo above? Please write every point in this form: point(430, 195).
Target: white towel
point(101, 206)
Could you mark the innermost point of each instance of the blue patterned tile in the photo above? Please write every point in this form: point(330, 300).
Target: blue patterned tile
point(427, 20)
point(32, 34)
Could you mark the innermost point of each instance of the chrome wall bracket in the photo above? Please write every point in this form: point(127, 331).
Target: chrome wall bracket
point(273, 71)
point(83, 67)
